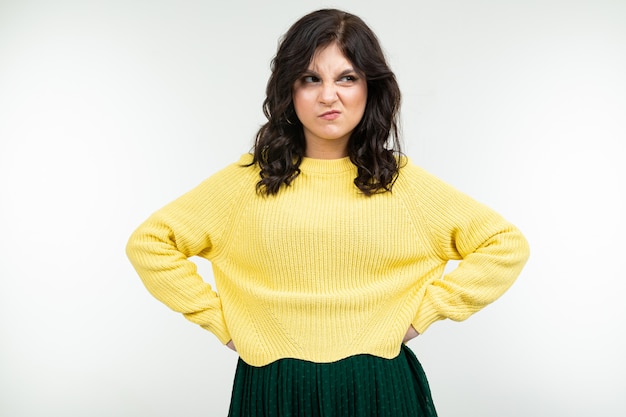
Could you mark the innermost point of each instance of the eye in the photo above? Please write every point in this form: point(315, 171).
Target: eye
point(310, 79)
point(348, 79)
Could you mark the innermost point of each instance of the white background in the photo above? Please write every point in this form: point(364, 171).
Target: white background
point(110, 109)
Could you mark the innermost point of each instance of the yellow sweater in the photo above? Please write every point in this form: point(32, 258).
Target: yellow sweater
point(321, 272)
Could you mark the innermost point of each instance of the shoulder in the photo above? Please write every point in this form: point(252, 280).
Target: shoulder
point(237, 173)
point(414, 178)
point(227, 184)
point(442, 205)
point(431, 193)
point(240, 169)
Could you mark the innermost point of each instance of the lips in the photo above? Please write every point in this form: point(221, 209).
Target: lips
point(330, 115)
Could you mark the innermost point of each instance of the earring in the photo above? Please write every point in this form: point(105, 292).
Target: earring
point(290, 112)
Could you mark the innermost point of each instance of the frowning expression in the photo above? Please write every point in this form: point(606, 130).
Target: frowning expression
point(329, 99)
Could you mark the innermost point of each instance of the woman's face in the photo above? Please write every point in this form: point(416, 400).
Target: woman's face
point(329, 100)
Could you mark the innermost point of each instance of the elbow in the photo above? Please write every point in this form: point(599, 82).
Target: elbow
point(522, 248)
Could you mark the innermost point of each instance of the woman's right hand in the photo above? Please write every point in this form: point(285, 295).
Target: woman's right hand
point(411, 333)
point(230, 345)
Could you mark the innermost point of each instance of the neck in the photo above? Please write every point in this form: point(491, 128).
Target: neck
point(335, 150)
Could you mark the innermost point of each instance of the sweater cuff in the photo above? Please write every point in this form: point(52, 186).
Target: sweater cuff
point(426, 315)
point(222, 334)
point(213, 321)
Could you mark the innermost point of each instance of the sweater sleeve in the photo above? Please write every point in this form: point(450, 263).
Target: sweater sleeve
point(160, 248)
point(492, 253)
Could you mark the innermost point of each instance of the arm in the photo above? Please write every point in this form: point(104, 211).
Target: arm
point(159, 250)
point(492, 253)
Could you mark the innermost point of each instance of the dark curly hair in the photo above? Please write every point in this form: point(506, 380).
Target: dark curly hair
point(374, 145)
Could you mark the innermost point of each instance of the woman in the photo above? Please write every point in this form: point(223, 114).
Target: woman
point(327, 246)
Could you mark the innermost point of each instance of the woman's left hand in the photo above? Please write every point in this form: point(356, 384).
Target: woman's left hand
point(410, 334)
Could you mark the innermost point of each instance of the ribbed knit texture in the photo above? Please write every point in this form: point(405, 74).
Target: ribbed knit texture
point(321, 272)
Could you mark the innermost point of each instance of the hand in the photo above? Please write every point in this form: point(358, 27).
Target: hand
point(230, 345)
point(410, 334)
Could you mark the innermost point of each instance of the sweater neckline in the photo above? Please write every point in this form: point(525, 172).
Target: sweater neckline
point(326, 166)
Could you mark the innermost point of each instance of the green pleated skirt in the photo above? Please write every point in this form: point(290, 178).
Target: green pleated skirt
point(357, 386)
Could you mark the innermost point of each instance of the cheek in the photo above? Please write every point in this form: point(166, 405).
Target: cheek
point(300, 102)
point(358, 95)
point(360, 99)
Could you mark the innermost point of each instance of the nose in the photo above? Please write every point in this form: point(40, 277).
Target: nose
point(328, 95)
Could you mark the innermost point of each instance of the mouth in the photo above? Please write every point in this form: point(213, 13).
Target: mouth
point(330, 115)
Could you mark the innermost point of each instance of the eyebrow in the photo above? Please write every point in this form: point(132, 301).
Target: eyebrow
point(341, 74)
